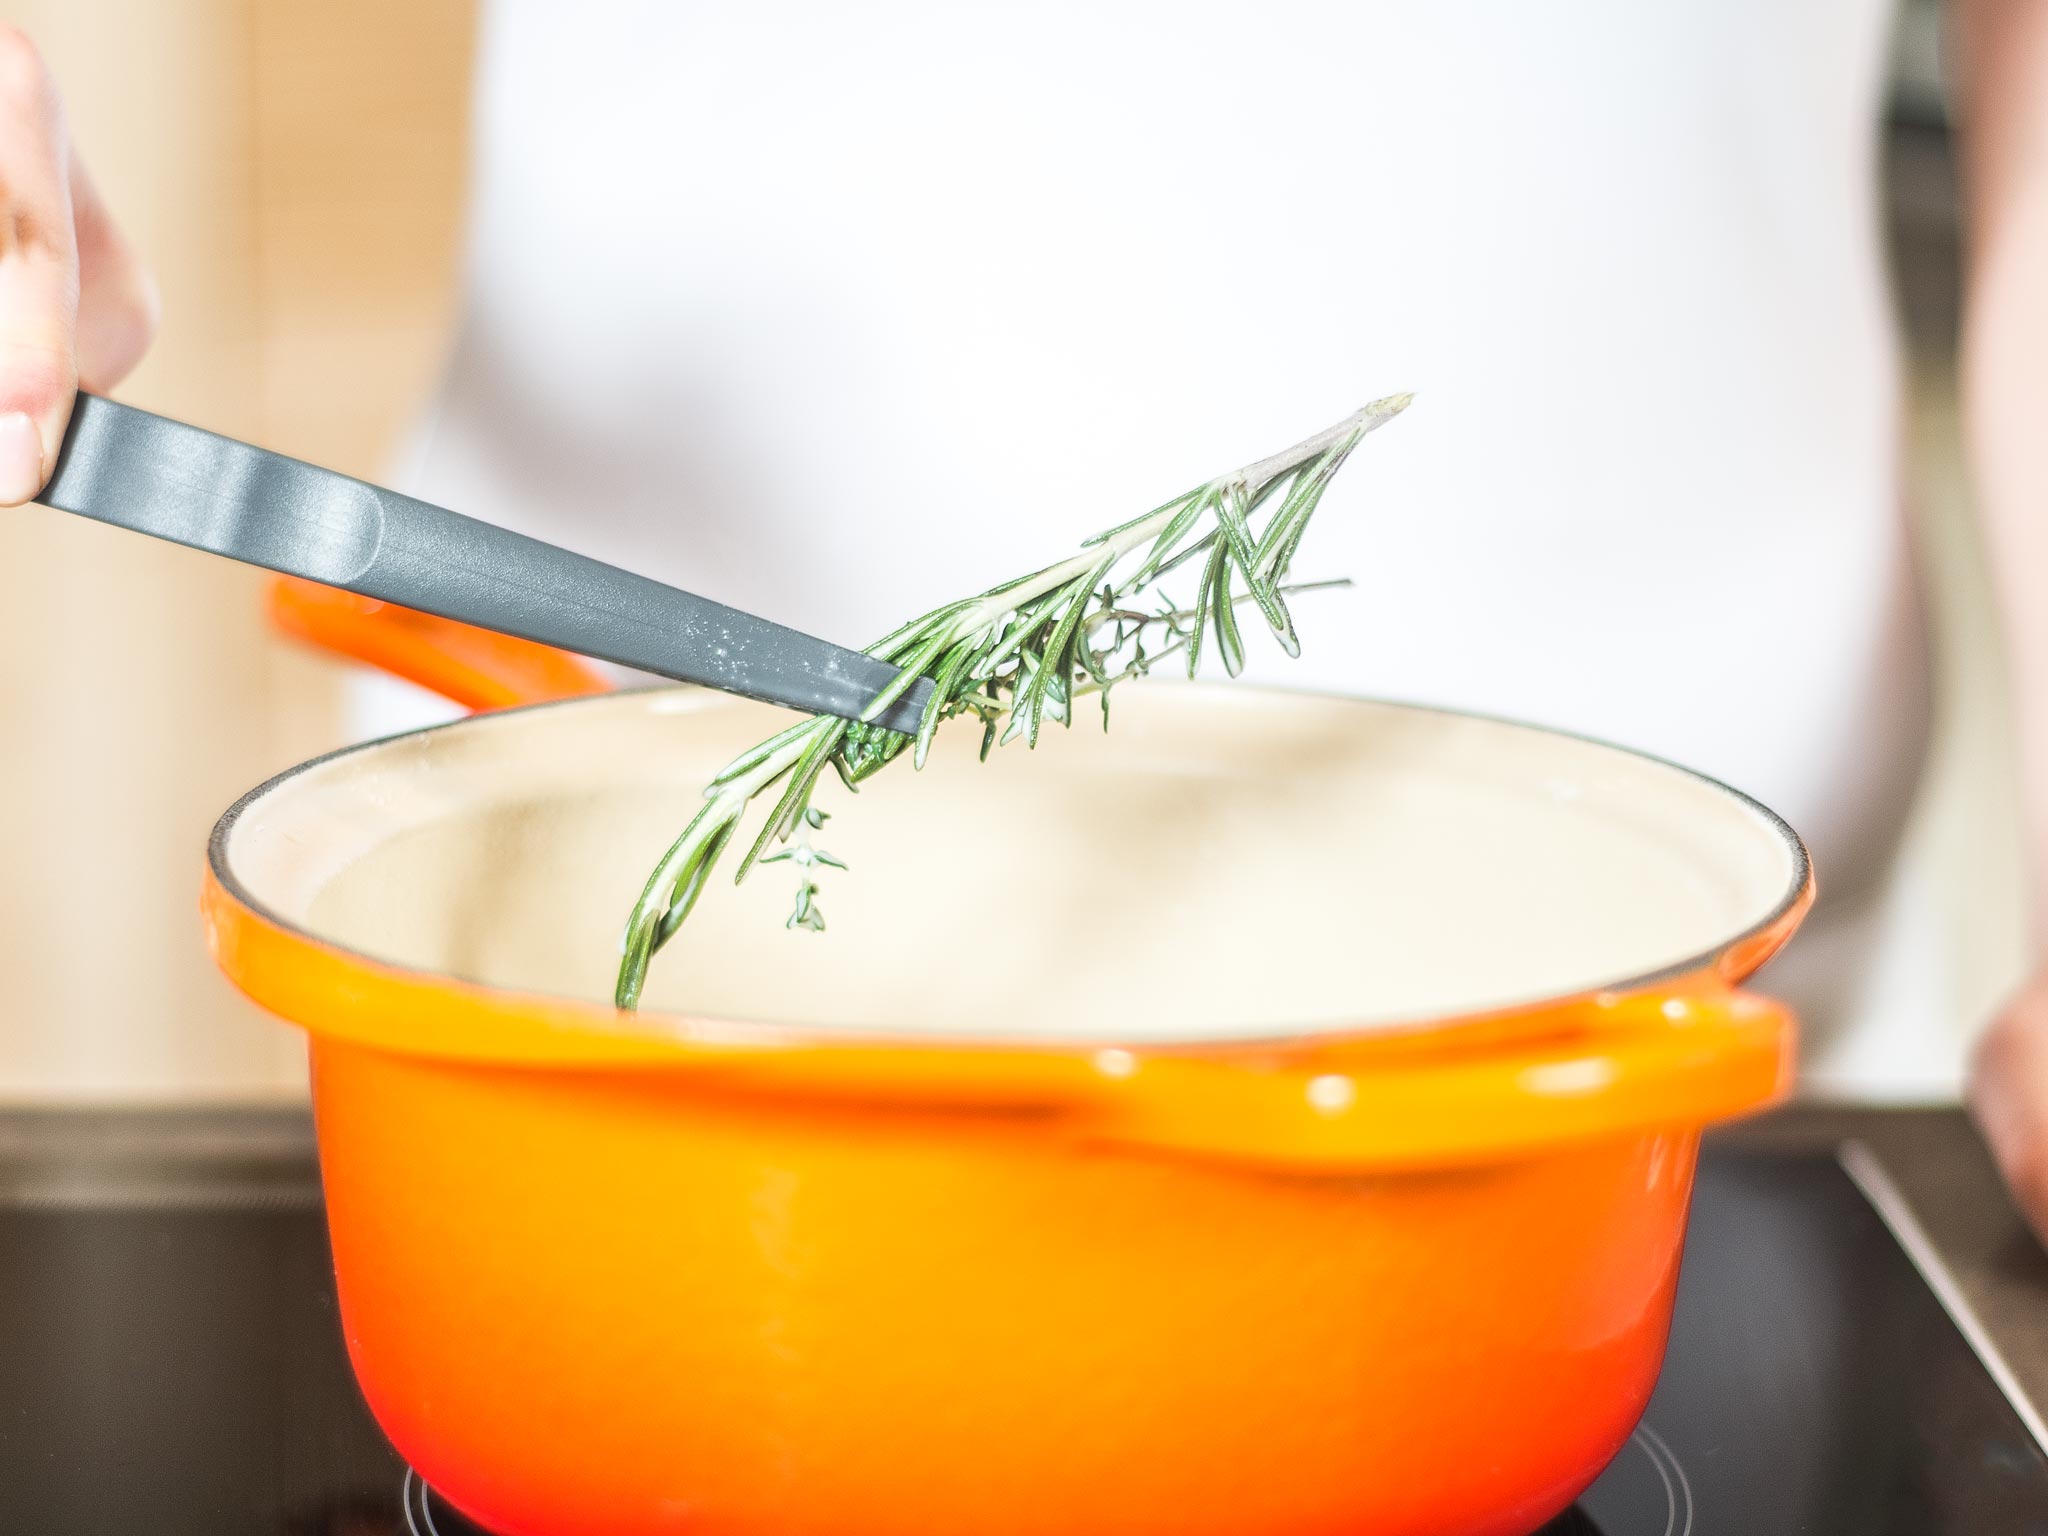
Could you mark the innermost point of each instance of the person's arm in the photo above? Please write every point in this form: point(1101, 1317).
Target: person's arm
point(2002, 54)
point(76, 308)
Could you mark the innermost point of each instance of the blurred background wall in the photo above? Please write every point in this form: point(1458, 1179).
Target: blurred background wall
point(293, 173)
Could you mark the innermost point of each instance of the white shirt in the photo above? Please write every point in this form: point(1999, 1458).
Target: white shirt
point(838, 311)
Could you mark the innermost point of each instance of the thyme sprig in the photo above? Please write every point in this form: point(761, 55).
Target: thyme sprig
point(1015, 657)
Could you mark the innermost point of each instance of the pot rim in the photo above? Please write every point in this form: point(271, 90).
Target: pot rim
point(1726, 962)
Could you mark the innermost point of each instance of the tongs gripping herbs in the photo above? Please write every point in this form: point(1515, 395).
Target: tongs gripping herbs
point(1015, 657)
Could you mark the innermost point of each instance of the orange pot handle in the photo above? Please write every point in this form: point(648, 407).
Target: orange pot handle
point(476, 668)
point(1614, 1065)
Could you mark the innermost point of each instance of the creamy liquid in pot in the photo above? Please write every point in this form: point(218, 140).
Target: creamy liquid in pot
point(1222, 863)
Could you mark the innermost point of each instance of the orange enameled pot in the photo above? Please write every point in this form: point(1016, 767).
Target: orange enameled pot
point(1216, 1128)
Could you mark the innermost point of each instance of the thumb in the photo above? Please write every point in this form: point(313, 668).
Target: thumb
point(38, 273)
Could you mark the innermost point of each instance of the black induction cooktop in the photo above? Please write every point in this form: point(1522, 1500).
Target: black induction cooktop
point(171, 1363)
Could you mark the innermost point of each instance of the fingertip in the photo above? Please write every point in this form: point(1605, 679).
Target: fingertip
point(23, 459)
point(38, 383)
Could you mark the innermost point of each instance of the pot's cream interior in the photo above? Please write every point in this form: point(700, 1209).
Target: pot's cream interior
point(1225, 862)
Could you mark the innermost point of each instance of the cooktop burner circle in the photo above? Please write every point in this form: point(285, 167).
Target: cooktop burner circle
point(1644, 1493)
point(426, 1515)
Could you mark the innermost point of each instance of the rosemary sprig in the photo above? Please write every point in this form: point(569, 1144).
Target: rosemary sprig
point(1015, 657)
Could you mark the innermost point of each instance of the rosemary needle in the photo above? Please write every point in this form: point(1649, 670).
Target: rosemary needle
point(1015, 657)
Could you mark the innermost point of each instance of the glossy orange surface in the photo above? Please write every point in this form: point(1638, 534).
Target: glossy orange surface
point(604, 1276)
point(591, 1305)
point(620, 1282)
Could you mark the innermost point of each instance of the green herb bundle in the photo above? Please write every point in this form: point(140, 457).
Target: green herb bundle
point(1015, 657)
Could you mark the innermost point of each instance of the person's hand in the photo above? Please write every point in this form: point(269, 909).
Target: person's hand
point(2009, 1096)
point(76, 307)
